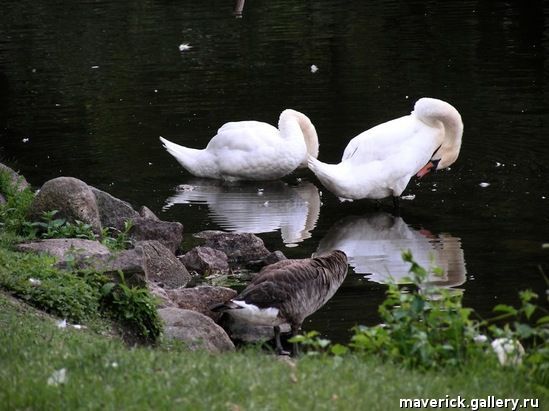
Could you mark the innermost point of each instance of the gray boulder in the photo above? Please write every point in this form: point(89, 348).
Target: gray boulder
point(161, 265)
point(17, 180)
point(162, 298)
point(170, 234)
point(66, 248)
point(239, 247)
point(201, 298)
point(113, 212)
point(272, 258)
point(73, 199)
point(205, 260)
point(194, 329)
point(146, 212)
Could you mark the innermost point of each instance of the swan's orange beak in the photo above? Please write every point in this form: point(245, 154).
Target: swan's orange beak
point(431, 165)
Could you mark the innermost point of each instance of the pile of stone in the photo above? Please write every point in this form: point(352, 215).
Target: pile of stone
point(155, 259)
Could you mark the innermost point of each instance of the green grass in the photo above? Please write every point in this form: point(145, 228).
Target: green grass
point(104, 374)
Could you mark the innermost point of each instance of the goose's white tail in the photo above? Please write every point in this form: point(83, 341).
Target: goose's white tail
point(191, 159)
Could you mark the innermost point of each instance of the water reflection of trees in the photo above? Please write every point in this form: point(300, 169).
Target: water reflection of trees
point(374, 244)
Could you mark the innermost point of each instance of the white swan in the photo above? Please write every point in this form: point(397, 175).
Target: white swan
point(252, 150)
point(379, 162)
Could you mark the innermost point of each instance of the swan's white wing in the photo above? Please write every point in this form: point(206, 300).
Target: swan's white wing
point(245, 136)
point(383, 140)
point(252, 150)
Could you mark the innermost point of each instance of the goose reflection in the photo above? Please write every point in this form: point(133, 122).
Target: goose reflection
point(256, 207)
point(374, 243)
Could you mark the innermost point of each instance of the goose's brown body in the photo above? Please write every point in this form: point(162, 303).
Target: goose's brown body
point(289, 291)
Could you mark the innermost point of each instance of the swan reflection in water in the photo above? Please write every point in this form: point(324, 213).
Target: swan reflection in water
point(374, 244)
point(256, 207)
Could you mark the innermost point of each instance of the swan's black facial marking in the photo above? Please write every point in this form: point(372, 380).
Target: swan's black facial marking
point(434, 152)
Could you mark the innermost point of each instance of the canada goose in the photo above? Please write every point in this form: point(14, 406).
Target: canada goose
point(252, 150)
point(379, 162)
point(288, 292)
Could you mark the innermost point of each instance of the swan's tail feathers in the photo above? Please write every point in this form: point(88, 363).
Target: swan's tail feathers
point(322, 170)
point(191, 159)
point(326, 173)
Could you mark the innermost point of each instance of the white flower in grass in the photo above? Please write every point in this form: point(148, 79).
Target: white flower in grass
point(508, 351)
point(58, 377)
point(35, 281)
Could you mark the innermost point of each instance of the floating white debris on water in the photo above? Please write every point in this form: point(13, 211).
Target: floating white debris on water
point(94, 67)
point(314, 68)
point(498, 164)
point(483, 185)
point(62, 324)
point(409, 197)
point(150, 163)
point(266, 204)
point(185, 47)
point(25, 140)
point(58, 377)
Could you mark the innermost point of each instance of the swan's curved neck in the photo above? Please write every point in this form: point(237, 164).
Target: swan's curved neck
point(436, 112)
point(288, 123)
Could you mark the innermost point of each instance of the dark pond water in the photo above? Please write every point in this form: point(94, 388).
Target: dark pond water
point(86, 88)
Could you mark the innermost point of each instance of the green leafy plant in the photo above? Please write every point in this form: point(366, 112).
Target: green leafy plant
point(18, 201)
point(135, 307)
point(117, 240)
point(52, 227)
point(315, 345)
point(422, 326)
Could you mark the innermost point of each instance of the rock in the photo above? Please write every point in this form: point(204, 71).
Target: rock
point(63, 248)
point(240, 330)
point(196, 330)
point(239, 247)
point(272, 258)
point(201, 298)
point(205, 260)
point(149, 261)
point(128, 262)
point(162, 266)
point(161, 295)
point(112, 211)
point(170, 234)
point(17, 180)
point(73, 199)
point(146, 212)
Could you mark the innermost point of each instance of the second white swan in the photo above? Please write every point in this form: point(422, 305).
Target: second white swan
point(252, 150)
point(380, 162)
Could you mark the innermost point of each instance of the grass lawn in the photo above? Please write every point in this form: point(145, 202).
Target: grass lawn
point(101, 373)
